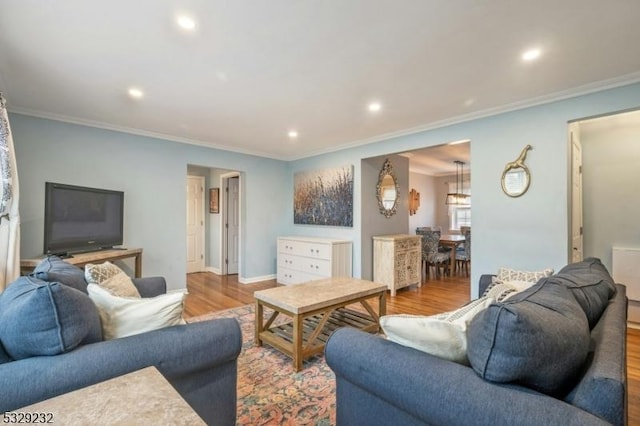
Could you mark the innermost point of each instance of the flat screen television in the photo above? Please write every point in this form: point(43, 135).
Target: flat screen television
point(79, 219)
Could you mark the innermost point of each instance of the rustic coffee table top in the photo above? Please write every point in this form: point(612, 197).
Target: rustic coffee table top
point(306, 297)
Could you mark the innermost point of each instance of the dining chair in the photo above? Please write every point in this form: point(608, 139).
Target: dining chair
point(463, 259)
point(431, 256)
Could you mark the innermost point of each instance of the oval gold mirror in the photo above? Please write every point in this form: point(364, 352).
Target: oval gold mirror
point(516, 177)
point(387, 190)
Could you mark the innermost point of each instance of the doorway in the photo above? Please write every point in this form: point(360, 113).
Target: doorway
point(230, 223)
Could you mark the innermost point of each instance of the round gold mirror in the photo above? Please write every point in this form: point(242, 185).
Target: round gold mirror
point(516, 177)
point(387, 190)
point(515, 182)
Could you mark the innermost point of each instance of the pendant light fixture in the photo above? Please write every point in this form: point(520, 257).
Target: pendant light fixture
point(458, 198)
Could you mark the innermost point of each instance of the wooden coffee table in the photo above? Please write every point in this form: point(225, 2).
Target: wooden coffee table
point(317, 308)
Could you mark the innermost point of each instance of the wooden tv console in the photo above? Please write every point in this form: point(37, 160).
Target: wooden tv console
point(81, 259)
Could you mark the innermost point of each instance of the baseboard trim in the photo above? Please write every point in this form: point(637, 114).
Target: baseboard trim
point(243, 280)
point(216, 271)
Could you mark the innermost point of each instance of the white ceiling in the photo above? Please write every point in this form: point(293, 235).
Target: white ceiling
point(253, 70)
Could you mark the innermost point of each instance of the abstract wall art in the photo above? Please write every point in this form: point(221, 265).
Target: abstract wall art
point(323, 197)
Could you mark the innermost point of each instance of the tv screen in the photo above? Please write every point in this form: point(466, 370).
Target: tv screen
point(78, 218)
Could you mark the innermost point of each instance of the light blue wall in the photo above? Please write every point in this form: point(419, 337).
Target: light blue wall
point(152, 173)
point(529, 232)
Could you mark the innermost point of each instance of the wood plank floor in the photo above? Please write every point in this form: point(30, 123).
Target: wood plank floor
point(209, 293)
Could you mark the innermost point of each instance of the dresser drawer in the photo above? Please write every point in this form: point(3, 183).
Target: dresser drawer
point(305, 264)
point(290, 276)
point(408, 244)
point(304, 248)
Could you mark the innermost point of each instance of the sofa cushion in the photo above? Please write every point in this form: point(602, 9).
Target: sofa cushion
point(4, 356)
point(45, 318)
point(110, 277)
point(126, 316)
point(442, 335)
point(54, 269)
point(591, 285)
point(538, 338)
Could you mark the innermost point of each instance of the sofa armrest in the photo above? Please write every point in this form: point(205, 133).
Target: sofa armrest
point(150, 286)
point(485, 280)
point(430, 390)
point(178, 351)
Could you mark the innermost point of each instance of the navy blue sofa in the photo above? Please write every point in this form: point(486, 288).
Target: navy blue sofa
point(380, 382)
point(198, 359)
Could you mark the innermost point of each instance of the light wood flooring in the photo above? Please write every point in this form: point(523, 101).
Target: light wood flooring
point(209, 293)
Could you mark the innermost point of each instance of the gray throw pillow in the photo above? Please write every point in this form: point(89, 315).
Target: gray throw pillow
point(42, 318)
point(538, 338)
point(54, 269)
point(591, 285)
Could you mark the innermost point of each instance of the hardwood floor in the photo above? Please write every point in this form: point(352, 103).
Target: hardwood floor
point(209, 293)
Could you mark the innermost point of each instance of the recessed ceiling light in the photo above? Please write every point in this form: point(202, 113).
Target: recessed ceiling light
point(374, 106)
point(186, 22)
point(293, 134)
point(136, 93)
point(531, 54)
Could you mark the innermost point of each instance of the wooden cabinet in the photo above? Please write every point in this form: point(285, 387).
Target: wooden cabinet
point(302, 259)
point(397, 260)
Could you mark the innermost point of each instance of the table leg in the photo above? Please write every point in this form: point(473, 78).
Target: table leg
point(452, 267)
point(138, 271)
point(297, 342)
point(259, 319)
point(382, 304)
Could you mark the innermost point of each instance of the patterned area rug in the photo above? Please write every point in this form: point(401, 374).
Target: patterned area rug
point(270, 392)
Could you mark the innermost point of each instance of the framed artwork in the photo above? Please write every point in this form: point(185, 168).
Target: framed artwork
point(323, 197)
point(214, 200)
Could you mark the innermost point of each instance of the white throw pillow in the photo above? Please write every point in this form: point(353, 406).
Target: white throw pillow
point(126, 316)
point(442, 335)
point(112, 278)
point(507, 274)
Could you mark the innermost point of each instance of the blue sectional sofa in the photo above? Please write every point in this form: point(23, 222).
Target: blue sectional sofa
point(198, 359)
point(517, 374)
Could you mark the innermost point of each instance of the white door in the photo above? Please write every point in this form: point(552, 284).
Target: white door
point(233, 224)
point(576, 193)
point(195, 224)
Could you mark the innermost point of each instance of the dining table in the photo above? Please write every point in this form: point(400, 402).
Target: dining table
point(452, 241)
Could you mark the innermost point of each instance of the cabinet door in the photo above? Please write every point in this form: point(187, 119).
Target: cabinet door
point(414, 266)
point(400, 268)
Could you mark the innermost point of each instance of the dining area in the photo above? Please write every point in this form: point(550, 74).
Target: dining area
point(445, 254)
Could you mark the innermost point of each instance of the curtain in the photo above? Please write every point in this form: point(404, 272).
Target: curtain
point(9, 215)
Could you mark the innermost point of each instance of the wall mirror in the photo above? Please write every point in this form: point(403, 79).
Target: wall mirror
point(516, 176)
point(387, 190)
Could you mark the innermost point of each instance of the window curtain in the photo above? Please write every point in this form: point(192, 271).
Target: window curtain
point(9, 215)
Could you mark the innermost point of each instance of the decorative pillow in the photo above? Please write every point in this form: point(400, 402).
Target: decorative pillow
point(44, 318)
point(499, 291)
point(538, 338)
point(506, 274)
point(591, 285)
point(54, 269)
point(441, 335)
point(126, 316)
point(109, 276)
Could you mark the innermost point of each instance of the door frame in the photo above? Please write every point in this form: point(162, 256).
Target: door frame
point(223, 229)
point(574, 134)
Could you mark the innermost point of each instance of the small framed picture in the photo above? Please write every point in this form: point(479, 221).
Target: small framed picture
point(214, 200)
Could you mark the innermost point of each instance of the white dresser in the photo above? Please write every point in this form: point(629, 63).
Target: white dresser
point(397, 260)
point(302, 259)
